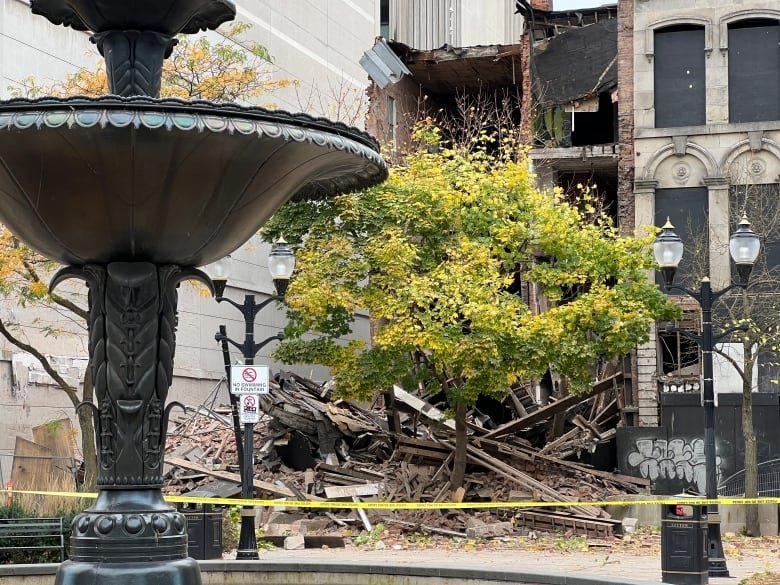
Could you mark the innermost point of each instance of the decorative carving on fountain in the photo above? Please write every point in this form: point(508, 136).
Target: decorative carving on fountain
point(135, 37)
point(132, 340)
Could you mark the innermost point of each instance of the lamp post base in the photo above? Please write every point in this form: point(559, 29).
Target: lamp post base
point(717, 560)
point(247, 542)
point(132, 537)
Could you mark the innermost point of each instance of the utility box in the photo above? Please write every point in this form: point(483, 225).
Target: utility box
point(684, 558)
point(204, 530)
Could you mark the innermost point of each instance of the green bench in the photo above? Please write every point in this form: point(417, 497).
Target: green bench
point(32, 533)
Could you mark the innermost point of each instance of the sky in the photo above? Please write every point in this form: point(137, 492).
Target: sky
point(570, 4)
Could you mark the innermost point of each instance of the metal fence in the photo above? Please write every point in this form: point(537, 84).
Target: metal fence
point(768, 481)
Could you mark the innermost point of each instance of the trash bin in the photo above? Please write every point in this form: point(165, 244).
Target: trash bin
point(204, 530)
point(684, 559)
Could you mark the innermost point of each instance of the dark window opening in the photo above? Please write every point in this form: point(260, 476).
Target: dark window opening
point(754, 70)
point(384, 19)
point(687, 208)
point(603, 184)
point(600, 127)
point(679, 355)
point(463, 116)
point(680, 98)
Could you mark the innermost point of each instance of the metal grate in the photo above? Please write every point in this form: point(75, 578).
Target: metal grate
point(768, 481)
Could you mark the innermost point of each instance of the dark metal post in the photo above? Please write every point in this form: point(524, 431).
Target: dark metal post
point(234, 406)
point(247, 541)
point(717, 560)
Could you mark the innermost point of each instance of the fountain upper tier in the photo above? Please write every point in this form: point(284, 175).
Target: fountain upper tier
point(165, 181)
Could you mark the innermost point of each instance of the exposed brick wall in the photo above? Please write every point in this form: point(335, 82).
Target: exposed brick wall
point(625, 55)
point(542, 4)
point(526, 103)
point(412, 105)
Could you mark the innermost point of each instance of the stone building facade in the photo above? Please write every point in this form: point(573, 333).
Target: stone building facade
point(706, 116)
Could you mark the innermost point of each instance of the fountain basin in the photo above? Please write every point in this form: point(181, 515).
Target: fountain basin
point(164, 181)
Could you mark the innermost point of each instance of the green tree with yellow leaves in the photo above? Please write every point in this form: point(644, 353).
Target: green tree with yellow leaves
point(436, 254)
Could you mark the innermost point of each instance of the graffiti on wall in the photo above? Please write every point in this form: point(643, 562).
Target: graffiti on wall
point(679, 459)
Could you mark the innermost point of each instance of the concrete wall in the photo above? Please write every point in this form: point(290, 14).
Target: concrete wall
point(714, 155)
point(32, 46)
point(316, 43)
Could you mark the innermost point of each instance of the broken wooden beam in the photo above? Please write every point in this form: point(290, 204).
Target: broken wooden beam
point(551, 409)
point(259, 484)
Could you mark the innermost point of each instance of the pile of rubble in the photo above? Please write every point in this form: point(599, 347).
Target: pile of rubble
point(309, 446)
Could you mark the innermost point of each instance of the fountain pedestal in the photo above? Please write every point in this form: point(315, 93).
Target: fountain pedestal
point(131, 193)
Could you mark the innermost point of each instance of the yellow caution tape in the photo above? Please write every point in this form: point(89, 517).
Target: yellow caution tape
point(330, 504)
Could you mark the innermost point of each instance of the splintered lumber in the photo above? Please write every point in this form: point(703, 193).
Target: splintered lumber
point(349, 491)
point(551, 409)
point(586, 425)
point(615, 477)
point(259, 484)
point(427, 410)
point(563, 439)
point(422, 448)
point(549, 521)
point(515, 475)
point(354, 473)
point(362, 515)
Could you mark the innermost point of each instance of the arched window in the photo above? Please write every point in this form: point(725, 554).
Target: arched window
point(754, 70)
point(680, 98)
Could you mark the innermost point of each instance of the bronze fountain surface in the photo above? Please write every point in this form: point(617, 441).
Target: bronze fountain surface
point(132, 193)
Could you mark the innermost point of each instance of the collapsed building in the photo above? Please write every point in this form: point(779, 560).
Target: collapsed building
point(582, 89)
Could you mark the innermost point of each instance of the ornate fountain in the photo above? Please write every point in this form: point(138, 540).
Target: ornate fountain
point(131, 193)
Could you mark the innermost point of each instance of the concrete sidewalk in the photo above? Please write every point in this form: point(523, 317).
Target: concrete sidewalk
point(597, 563)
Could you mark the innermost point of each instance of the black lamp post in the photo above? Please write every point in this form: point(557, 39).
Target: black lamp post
point(281, 264)
point(744, 246)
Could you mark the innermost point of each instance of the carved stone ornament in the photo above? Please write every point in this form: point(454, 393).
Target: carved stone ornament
point(756, 167)
point(681, 172)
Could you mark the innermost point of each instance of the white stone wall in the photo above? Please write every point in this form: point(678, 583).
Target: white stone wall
point(714, 155)
point(30, 46)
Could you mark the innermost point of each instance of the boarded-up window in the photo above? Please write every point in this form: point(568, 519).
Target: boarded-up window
point(754, 71)
point(679, 93)
point(687, 209)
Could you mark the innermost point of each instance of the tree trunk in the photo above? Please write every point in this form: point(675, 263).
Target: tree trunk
point(88, 434)
point(461, 444)
point(752, 527)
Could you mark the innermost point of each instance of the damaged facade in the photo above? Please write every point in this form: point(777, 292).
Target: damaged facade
point(669, 111)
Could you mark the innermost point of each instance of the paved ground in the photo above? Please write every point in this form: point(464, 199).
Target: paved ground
point(594, 562)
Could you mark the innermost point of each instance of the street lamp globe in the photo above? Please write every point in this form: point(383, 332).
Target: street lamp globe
point(668, 251)
point(744, 246)
point(219, 272)
point(281, 264)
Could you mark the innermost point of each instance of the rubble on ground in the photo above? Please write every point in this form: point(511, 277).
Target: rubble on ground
point(310, 446)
